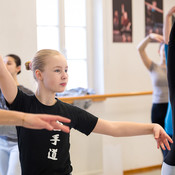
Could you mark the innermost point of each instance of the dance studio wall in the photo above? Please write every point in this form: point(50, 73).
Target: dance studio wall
point(18, 34)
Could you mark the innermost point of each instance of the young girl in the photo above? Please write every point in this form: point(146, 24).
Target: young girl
point(158, 75)
point(44, 152)
point(9, 159)
point(33, 121)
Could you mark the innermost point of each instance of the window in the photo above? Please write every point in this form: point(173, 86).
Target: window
point(47, 24)
point(61, 25)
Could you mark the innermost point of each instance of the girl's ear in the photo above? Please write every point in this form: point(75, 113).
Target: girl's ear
point(38, 74)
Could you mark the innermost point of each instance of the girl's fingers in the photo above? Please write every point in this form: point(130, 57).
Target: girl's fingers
point(158, 144)
point(169, 139)
point(167, 144)
point(162, 145)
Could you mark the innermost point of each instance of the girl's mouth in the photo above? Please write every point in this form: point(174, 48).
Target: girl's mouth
point(63, 84)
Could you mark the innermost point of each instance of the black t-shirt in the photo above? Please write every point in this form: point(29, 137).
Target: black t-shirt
point(8, 133)
point(170, 158)
point(45, 152)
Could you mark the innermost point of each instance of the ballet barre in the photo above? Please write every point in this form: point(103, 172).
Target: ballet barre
point(102, 97)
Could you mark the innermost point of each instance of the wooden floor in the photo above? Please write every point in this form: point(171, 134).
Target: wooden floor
point(155, 170)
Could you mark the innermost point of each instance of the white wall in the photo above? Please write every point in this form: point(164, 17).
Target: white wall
point(123, 71)
point(18, 33)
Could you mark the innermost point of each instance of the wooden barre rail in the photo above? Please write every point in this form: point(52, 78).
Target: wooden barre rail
point(102, 97)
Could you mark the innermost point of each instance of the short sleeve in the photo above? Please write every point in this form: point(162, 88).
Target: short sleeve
point(19, 102)
point(81, 120)
point(86, 121)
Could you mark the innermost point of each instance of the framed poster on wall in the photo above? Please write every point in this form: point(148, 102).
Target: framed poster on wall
point(153, 17)
point(122, 21)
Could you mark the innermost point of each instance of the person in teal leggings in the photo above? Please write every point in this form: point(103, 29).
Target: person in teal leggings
point(168, 118)
point(166, 32)
point(168, 166)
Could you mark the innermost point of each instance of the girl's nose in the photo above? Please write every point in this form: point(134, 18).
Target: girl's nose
point(65, 75)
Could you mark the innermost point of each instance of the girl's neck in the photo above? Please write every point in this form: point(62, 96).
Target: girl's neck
point(16, 81)
point(45, 97)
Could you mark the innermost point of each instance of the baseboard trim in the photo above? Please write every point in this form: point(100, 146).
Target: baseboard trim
point(144, 169)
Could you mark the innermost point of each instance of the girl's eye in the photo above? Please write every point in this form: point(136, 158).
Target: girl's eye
point(66, 70)
point(57, 70)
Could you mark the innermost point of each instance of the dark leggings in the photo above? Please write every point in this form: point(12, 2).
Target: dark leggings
point(158, 113)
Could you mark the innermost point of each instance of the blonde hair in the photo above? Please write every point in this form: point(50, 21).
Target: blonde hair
point(38, 61)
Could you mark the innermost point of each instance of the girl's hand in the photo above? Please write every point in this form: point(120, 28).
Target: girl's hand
point(161, 137)
point(156, 37)
point(44, 121)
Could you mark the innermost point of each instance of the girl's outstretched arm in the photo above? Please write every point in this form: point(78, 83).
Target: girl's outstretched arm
point(33, 121)
point(122, 129)
point(7, 83)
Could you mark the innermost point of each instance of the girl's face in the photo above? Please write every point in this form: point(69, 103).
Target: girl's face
point(11, 66)
point(55, 76)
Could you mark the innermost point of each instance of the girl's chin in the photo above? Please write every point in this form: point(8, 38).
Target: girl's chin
point(61, 90)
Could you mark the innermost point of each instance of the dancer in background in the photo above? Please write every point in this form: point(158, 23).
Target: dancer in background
point(158, 73)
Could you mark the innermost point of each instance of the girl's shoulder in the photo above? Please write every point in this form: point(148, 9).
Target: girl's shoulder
point(25, 90)
point(70, 108)
point(64, 105)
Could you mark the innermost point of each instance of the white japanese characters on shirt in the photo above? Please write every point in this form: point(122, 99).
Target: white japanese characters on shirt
point(52, 154)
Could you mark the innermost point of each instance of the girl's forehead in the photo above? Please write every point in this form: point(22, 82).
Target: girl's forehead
point(57, 60)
